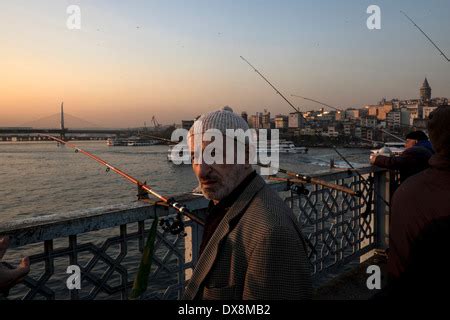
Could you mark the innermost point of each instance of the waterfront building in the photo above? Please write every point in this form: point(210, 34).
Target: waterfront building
point(296, 120)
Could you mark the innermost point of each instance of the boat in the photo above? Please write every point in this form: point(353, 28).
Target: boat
point(116, 142)
point(390, 148)
point(183, 154)
point(284, 146)
point(130, 142)
point(141, 143)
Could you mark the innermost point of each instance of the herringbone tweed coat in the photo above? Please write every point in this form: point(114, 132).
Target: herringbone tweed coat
point(262, 257)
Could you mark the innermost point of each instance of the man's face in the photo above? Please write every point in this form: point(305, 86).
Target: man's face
point(216, 180)
point(410, 143)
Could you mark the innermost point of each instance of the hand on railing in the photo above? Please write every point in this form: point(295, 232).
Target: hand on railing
point(10, 277)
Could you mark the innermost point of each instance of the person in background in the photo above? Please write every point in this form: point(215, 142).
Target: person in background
point(420, 221)
point(412, 161)
point(10, 277)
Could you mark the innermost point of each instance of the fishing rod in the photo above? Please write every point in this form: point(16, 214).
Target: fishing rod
point(341, 110)
point(326, 105)
point(276, 90)
point(158, 138)
point(309, 179)
point(392, 135)
point(176, 226)
point(334, 148)
point(295, 185)
point(302, 178)
point(369, 185)
point(366, 182)
point(429, 39)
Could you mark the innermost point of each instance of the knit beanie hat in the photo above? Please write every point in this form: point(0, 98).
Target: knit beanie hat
point(439, 130)
point(220, 120)
point(417, 135)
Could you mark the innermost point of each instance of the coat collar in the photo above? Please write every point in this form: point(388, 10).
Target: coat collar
point(209, 255)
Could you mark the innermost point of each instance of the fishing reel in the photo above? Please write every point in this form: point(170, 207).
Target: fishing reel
point(299, 189)
point(173, 225)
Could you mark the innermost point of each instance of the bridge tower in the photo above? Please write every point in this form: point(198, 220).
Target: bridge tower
point(63, 129)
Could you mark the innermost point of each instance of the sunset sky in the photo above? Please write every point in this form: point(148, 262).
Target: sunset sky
point(177, 59)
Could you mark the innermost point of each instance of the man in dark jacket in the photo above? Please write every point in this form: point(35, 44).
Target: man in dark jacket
point(418, 205)
point(412, 161)
point(426, 272)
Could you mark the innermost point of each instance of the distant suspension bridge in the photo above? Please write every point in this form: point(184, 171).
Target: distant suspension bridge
point(33, 133)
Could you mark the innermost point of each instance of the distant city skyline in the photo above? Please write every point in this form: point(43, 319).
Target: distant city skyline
point(132, 61)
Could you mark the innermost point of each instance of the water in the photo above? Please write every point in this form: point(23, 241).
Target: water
point(39, 178)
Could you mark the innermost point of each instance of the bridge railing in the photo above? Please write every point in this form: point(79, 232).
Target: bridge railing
point(106, 243)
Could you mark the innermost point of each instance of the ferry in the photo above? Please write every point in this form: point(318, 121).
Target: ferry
point(284, 146)
point(390, 148)
point(185, 156)
point(130, 142)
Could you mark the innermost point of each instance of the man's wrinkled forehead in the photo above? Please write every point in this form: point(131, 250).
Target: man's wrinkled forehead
point(198, 141)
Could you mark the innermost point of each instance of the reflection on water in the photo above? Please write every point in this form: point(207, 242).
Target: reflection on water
point(40, 178)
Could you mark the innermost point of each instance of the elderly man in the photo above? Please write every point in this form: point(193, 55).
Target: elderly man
point(10, 277)
point(252, 247)
point(414, 159)
point(420, 220)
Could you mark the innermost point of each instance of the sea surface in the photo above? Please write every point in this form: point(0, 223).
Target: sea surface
point(41, 178)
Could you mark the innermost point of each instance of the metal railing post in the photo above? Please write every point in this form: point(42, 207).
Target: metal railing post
point(381, 210)
point(192, 243)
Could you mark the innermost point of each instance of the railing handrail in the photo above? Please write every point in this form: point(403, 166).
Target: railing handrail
point(38, 229)
point(49, 227)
